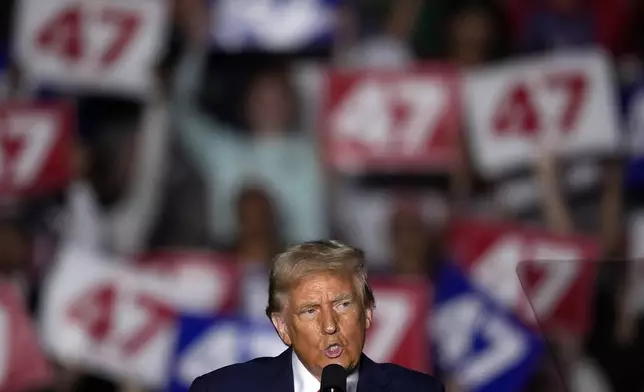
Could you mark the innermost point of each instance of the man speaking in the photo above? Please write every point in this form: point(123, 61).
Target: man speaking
point(321, 306)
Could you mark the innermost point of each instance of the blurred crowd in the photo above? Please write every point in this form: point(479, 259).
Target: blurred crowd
point(221, 147)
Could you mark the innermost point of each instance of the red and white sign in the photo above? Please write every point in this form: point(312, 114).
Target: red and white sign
point(529, 270)
point(36, 147)
point(564, 103)
point(391, 119)
point(100, 44)
point(23, 365)
point(119, 319)
point(399, 332)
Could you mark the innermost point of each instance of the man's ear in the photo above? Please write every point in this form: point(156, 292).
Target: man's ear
point(368, 316)
point(280, 326)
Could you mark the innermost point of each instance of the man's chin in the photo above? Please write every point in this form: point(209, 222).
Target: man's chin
point(342, 360)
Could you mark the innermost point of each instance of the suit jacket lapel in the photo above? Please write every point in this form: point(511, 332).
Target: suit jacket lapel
point(282, 380)
point(372, 378)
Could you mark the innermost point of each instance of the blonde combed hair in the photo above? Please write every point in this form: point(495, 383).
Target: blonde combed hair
point(328, 256)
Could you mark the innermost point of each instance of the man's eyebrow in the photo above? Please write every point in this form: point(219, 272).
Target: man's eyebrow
point(313, 304)
point(343, 297)
point(310, 304)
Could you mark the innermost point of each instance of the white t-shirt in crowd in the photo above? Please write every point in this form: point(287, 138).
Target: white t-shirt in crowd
point(125, 228)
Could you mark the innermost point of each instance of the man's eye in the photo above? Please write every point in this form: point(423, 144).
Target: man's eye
point(346, 304)
point(309, 311)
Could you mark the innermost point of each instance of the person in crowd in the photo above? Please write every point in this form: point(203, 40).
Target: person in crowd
point(258, 235)
point(181, 222)
point(112, 204)
point(379, 34)
point(273, 154)
point(257, 242)
point(415, 243)
point(473, 33)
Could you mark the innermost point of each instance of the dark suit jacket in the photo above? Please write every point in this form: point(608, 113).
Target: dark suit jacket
point(276, 375)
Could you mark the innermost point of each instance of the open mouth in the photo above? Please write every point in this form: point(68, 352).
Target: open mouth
point(333, 351)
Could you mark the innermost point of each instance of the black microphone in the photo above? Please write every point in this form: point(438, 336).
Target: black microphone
point(334, 379)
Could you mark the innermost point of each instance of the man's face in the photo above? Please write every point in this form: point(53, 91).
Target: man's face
point(255, 216)
point(269, 106)
point(324, 321)
point(409, 233)
point(471, 34)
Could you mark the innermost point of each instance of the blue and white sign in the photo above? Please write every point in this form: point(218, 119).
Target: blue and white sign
point(478, 342)
point(208, 343)
point(273, 25)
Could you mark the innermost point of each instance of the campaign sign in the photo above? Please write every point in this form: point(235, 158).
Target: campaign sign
point(530, 271)
point(398, 331)
point(99, 45)
point(110, 316)
point(271, 25)
point(393, 120)
point(36, 147)
point(563, 102)
point(481, 345)
point(207, 274)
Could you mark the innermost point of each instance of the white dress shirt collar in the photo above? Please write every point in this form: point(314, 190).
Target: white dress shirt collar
point(304, 381)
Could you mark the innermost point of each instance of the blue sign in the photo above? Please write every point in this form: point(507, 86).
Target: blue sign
point(481, 344)
point(273, 25)
point(206, 343)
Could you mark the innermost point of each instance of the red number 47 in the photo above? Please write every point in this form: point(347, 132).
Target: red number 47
point(519, 111)
point(95, 312)
point(63, 33)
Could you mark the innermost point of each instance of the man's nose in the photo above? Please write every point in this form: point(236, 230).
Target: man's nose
point(329, 321)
